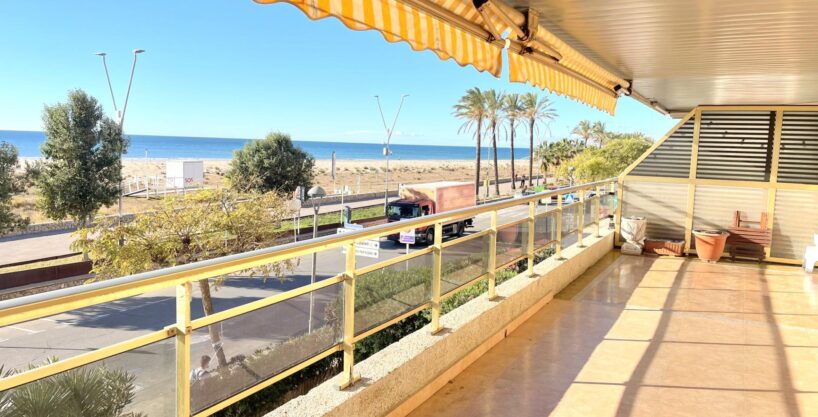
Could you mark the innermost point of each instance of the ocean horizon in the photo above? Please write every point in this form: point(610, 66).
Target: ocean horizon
point(188, 147)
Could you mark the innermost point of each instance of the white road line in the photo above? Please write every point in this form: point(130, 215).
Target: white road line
point(3, 340)
point(23, 329)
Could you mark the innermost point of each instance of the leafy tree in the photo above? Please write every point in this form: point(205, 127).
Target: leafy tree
point(271, 164)
point(535, 110)
point(584, 131)
point(10, 184)
point(554, 154)
point(494, 113)
point(513, 108)
point(594, 164)
point(82, 168)
point(187, 229)
point(599, 133)
point(472, 110)
point(89, 391)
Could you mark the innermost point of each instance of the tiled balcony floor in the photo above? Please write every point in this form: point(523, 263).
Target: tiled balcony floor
point(654, 337)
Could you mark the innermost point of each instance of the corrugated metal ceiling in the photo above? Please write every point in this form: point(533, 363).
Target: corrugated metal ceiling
point(683, 53)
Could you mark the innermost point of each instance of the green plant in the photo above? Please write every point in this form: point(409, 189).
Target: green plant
point(513, 108)
point(271, 164)
point(89, 391)
point(82, 168)
point(10, 184)
point(494, 113)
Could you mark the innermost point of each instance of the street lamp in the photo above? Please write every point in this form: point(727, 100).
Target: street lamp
point(319, 193)
point(386, 151)
point(120, 115)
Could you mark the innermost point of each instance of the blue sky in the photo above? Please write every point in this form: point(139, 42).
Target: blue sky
point(240, 69)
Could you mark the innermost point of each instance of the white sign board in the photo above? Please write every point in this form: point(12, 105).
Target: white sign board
point(366, 248)
point(407, 237)
point(182, 174)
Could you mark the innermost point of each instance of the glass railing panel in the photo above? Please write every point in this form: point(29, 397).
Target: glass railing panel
point(388, 292)
point(86, 329)
point(463, 262)
point(237, 353)
point(511, 242)
point(545, 230)
point(137, 382)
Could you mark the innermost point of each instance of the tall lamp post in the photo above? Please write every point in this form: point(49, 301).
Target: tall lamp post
point(319, 193)
point(386, 150)
point(120, 115)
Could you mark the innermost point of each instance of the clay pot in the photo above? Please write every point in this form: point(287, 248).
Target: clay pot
point(710, 244)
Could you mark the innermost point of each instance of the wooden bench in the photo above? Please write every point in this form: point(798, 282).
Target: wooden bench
point(749, 242)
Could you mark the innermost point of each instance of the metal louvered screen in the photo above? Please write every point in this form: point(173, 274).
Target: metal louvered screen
point(798, 158)
point(736, 145)
point(663, 205)
point(794, 222)
point(672, 157)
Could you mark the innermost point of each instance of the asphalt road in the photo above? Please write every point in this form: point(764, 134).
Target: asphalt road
point(80, 331)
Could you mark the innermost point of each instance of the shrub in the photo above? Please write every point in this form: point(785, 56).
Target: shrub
point(271, 164)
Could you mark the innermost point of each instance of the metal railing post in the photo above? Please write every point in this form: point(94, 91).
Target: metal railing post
point(492, 275)
point(581, 219)
point(559, 229)
point(532, 213)
point(348, 376)
point(183, 330)
point(437, 269)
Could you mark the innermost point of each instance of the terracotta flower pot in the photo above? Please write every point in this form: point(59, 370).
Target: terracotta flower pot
point(710, 244)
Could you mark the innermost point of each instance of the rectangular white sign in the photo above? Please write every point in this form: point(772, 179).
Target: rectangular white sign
point(407, 236)
point(366, 248)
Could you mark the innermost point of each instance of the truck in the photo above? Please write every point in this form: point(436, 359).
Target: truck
point(420, 200)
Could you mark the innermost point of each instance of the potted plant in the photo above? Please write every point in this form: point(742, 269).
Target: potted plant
point(710, 244)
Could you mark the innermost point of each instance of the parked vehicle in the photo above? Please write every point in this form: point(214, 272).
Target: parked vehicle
point(431, 198)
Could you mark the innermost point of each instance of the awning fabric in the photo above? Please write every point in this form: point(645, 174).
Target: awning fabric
point(550, 77)
point(398, 21)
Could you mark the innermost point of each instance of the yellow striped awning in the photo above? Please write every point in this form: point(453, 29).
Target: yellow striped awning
point(398, 21)
point(550, 77)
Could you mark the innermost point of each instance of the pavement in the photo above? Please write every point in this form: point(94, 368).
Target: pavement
point(31, 247)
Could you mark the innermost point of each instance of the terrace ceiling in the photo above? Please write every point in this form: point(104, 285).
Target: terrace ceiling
point(682, 53)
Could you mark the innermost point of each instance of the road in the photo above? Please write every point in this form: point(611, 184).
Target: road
point(80, 331)
point(49, 244)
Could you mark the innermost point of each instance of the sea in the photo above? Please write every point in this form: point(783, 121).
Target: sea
point(182, 147)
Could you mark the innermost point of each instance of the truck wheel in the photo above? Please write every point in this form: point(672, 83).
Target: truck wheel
point(430, 236)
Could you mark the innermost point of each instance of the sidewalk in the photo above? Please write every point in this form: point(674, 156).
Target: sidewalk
point(49, 244)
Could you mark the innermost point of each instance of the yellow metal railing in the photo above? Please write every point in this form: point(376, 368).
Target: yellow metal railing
point(428, 293)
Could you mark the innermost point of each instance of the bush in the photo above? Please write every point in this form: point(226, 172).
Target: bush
point(271, 164)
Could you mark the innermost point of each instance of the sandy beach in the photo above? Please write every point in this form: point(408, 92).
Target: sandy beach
point(360, 176)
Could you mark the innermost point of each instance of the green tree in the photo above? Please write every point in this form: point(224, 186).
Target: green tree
point(494, 113)
point(599, 133)
point(187, 229)
point(513, 109)
point(271, 164)
point(535, 110)
point(82, 168)
point(472, 110)
point(10, 184)
point(554, 154)
point(89, 391)
point(585, 132)
point(592, 164)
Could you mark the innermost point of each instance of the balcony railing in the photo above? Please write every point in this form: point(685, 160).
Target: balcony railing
point(356, 303)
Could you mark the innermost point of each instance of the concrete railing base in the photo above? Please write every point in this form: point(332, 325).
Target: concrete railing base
point(402, 376)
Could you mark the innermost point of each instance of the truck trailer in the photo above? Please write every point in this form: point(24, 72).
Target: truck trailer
point(420, 200)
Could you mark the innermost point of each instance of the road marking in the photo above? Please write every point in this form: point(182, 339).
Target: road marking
point(3, 340)
point(23, 329)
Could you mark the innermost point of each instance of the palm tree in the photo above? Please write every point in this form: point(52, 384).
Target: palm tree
point(599, 133)
point(472, 109)
point(555, 153)
point(494, 112)
point(585, 132)
point(535, 110)
point(513, 108)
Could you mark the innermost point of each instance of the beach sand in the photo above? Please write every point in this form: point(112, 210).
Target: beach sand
point(360, 176)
